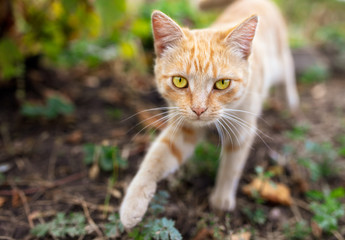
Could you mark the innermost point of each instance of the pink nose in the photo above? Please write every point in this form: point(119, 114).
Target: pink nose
point(198, 110)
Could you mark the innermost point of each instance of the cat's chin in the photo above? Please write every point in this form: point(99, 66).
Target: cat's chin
point(200, 122)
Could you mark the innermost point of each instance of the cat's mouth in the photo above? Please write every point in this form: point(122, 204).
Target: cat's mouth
point(201, 120)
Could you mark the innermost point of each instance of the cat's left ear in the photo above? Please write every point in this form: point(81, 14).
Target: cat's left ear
point(166, 32)
point(240, 39)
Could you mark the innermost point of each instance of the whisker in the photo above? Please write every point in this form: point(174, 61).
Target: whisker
point(142, 121)
point(226, 123)
point(245, 125)
point(244, 111)
point(164, 119)
point(220, 134)
point(148, 110)
point(176, 127)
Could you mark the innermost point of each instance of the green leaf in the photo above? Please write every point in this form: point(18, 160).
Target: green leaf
point(161, 229)
point(40, 230)
point(114, 228)
point(110, 12)
point(108, 158)
point(89, 151)
point(338, 193)
point(341, 151)
point(11, 59)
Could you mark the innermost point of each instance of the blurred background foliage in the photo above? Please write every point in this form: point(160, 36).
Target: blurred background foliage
point(68, 33)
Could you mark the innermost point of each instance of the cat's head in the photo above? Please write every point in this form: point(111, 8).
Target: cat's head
point(201, 72)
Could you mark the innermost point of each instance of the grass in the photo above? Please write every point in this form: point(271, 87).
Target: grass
point(55, 106)
point(327, 208)
point(62, 226)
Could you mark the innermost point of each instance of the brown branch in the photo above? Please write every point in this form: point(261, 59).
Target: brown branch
point(49, 185)
point(24, 200)
point(90, 220)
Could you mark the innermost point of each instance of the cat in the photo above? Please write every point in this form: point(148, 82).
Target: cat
point(216, 76)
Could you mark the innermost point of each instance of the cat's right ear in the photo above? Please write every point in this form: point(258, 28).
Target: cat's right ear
point(166, 32)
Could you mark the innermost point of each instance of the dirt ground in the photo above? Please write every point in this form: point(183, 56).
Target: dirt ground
point(45, 157)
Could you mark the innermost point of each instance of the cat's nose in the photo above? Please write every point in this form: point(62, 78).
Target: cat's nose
point(198, 110)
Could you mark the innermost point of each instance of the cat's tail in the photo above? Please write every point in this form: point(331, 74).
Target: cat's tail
point(210, 4)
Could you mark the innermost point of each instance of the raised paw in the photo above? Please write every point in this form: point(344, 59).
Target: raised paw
point(225, 202)
point(136, 202)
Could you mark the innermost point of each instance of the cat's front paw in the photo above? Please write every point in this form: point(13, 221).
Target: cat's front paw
point(225, 202)
point(136, 202)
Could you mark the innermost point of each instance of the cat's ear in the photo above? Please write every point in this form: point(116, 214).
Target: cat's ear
point(240, 39)
point(166, 32)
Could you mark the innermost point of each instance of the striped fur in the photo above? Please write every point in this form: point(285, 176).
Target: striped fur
point(248, 45)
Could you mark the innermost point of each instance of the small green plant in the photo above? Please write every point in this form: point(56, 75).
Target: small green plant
point(298, 231)
point(158, 229)
point(115, 113)
point(257, 216)
point(107, 157)
point(54, 107)
point(153, 228)
point(319, 160)
point(114, 227)
point(327, 208)
point(262, 174)
point(298, 132)
point(315, 74)
point(341, 150)
point(62, 226)
point(158, 202)
point(205, 158)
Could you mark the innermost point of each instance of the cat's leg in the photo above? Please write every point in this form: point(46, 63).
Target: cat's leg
point(165, 155)
point(233, 159)
point(290, 81)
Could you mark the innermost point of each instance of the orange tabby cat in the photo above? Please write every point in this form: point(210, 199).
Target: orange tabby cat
point(216, 76)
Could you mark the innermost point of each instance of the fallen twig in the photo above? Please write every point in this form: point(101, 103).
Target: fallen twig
point(49, 185)
point(90, 220)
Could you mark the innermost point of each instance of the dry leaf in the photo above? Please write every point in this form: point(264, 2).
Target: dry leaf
point(116, 193)
point(270, 191)
point(204, 234)
point(94, 171)
point(315, 229)
point(75, 137)
point(2, 201)
point(111, 95)
point(241, 236)
point(16, 202)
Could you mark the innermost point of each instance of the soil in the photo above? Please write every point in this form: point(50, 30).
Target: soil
point(46, 173)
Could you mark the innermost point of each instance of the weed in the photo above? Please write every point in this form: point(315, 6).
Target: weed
point(62, 226)
point(114, 227)
point(150, 227)
point(262, 174)
point(205, 158)
point(315, 74)
point(116, 113)
point(319, 160)
point(327, 208)
point(158, 202)
point(298, 132)
point(298, 231)
point(257, 216)
point(158, 229)
point(107, 157)
point(54, 107)
point(341, 150)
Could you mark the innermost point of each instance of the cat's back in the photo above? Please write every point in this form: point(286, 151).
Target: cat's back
point(270, 18)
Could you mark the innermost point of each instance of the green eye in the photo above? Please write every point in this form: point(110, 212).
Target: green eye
point(222, 84)
point(180, 82)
